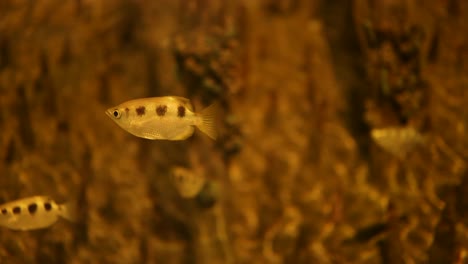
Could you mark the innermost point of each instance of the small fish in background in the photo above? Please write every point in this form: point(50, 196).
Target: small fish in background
point(188, 183)
point(34, 213)
point(169, 117)
point(366, 234)
point(398, 141)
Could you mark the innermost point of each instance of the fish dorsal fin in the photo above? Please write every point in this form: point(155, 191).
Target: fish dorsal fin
point(184, 101)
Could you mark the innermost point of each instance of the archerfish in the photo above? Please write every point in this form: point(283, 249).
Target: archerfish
point(34, 213)
point(168, 118)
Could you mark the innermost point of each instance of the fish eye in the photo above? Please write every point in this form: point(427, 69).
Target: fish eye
point(116, 113)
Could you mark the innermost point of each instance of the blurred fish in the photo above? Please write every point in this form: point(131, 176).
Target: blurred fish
point(34, 213)
point(187, 183)
point(398, 140)
point(376, 231)
point(168, 117)
point(368, 233)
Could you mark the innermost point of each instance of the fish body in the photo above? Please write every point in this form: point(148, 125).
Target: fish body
point(398, 141)
point(168, 117)
point(33, 213)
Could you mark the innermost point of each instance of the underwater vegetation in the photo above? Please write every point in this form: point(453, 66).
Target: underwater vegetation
point(340, 133)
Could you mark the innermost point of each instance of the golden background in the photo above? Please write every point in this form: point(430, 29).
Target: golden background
point(294, 177)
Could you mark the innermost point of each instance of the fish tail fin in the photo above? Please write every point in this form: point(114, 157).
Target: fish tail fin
point(208, 118)
point(69, 211)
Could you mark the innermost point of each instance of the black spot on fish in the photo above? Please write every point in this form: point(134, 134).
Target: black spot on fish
point(161, 110)
point(4, 211)
point(16, 210)
point(47, 206)
point(180, 111)
point(32, 208)
point(140, 110)
point(127, 111)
